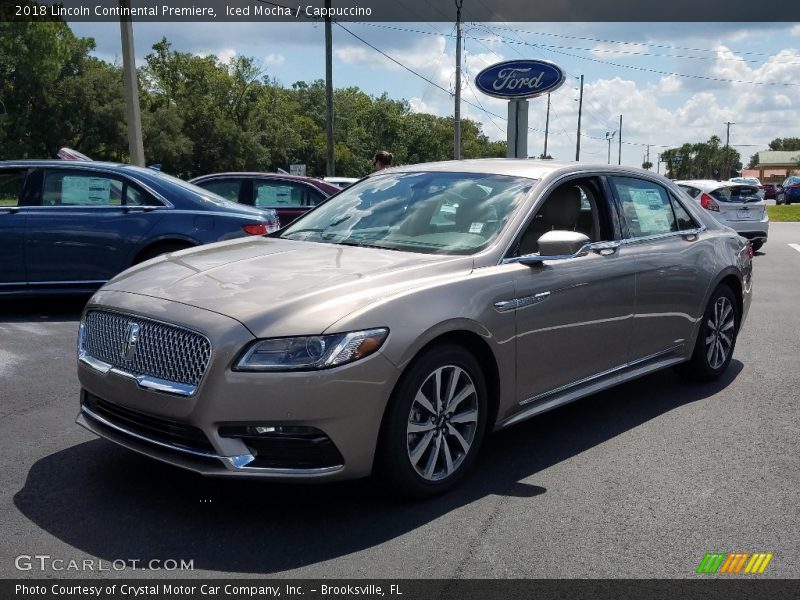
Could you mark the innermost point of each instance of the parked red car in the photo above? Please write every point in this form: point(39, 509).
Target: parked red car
point(289, 195)
point(770, 191)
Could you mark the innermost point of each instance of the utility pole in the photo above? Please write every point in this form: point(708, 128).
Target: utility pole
point(546, 127)
point(457, 111)
point(131, 85)
point(619, 162)
point(727, 172)
point(658, 165)
point(580, 110)
point(330, 167)
point(609, 137)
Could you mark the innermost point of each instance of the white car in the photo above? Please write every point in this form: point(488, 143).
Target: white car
point(341, 182)
point(739, 206)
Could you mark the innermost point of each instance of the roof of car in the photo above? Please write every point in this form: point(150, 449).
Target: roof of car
point(312, 180)
point(515, 167)
point(710, 184)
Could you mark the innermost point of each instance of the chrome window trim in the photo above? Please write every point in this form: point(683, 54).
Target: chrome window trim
point(145, 207)
point(662, 236)
point(87, 171)
point(585, 249)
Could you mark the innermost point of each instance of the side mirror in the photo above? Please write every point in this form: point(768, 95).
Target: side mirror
point(562, 244)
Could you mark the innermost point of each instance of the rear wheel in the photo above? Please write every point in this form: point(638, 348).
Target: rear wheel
point(716, 339)
point(435, 423)
point(757, 245)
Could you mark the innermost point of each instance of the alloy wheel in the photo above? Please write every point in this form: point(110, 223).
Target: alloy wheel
point(442, 422)
point(720, 329)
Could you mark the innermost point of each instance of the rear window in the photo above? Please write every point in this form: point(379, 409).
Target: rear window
point(739, 193)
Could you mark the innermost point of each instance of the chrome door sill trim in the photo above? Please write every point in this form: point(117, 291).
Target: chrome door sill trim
point(600, 375)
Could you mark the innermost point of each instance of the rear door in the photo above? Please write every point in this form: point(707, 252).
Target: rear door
point(85, 227)
point(675, 264)
point(12, 228)
point(739, 204)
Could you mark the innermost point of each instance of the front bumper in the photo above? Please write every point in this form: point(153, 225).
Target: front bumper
point(337, 412)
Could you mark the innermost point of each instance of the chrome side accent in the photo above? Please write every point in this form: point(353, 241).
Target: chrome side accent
point(522, 302)
point(602, 374)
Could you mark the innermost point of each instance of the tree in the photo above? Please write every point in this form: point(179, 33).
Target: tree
point(704, 160)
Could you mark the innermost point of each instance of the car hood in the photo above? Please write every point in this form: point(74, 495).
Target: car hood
point(281, 287)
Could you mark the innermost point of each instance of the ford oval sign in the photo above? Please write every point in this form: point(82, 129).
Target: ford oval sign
point(520, 79)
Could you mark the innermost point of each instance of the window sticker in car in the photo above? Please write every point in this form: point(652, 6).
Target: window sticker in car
point(85, 190)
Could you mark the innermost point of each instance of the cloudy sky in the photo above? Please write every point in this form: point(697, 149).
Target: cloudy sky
point(673, 83)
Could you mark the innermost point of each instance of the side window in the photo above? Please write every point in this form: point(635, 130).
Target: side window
point(81, 189)
point(11, 183)
point(136, 197)
point(577, 205)
point(315, 196)
point(227, 188)
point(645, 205)
point(684, 220)
point(280, 193)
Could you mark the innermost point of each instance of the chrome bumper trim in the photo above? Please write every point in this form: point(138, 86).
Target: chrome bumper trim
point(238, 463)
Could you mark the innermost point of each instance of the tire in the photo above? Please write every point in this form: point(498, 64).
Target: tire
point(778, 200)
point(427, 446)
point(716, 338)
point(158, 250)
point(757, 245)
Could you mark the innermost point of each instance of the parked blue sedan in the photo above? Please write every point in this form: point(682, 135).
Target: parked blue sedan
point(70, 226)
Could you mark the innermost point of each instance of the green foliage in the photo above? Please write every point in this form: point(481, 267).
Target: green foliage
point(199, 114)
point(704, 160)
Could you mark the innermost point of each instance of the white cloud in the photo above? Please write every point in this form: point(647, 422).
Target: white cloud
point(274, 59)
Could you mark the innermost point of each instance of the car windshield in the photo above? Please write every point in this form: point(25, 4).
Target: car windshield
point(432, 213)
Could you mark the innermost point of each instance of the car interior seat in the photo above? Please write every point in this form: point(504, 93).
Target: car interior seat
point(561, 211)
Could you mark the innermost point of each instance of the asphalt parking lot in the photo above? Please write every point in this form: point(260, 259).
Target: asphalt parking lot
point(640, 481)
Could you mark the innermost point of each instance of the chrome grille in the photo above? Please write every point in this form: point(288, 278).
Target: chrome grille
point(162, 351)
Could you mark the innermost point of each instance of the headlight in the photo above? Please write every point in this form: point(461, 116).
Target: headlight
point(312, 352)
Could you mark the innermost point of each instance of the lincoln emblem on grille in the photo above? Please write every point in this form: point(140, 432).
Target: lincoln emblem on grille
point(131, 339)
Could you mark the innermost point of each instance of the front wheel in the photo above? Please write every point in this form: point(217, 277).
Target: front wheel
point(435, 423)
point(716, 339)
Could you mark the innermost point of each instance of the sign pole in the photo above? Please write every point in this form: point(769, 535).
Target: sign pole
point(517, 132)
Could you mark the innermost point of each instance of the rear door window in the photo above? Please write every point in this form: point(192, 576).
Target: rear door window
point(283, 193)
point(11, 184)
point(227, 188)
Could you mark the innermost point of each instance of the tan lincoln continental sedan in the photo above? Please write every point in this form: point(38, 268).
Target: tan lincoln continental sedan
point(389, 329)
